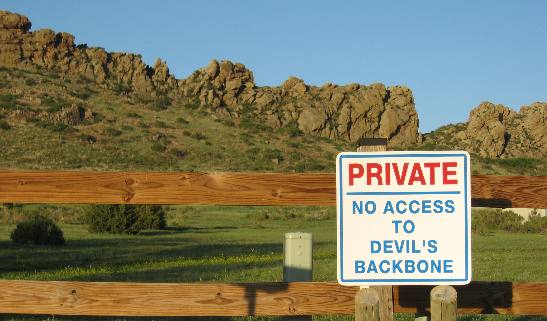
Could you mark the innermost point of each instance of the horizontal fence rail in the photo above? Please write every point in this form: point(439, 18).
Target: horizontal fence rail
point(223, 299)
point(228, 188)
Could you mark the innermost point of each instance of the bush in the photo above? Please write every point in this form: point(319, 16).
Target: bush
point(121, 88)
point(535, 223)
point(84, 138)
point(112, 132)
point(158, 147)
point(39, 230)
point(130, 219)
point(161, 103)
point(293, 130)
point(4, 125)
point(150, 217)
point(182, 121)
point(495, 219)
point(54, 127)
point(133, 115)
point(309, 165)
point(179, 153)
point(160, 124)
point(8, 99)
point(142, 124)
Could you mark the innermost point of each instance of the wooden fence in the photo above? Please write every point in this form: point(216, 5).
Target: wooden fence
point(221, 299)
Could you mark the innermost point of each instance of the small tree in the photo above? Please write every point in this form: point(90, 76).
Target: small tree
point(39, 230)
point(130, 219)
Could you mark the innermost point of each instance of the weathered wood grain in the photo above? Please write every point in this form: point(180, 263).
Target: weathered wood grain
point(167, 188)
point(202, 299)
point(444, 303)
point(228, 188)
point(509, 191)
point(367, 305)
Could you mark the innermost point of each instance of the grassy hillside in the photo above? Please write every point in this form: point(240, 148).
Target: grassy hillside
point(129, 132)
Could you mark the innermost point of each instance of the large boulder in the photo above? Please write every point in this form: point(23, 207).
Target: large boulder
point(487, 129)
point(10, 20)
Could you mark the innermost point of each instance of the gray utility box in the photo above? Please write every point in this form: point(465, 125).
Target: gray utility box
point(297, 262)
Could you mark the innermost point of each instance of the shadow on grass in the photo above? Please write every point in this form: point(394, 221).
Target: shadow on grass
point(122, 252)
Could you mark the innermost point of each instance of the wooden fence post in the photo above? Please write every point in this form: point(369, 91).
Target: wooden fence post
point(367, 305)
point(384, 293)
point(443, 303)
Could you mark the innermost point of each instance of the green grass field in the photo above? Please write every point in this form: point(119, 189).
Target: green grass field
point(234, 244)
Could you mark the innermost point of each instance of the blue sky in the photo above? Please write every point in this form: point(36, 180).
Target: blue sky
point(453, 55)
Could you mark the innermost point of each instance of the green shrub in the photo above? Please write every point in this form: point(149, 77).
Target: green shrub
point(495, 219)
point(179, 153)
point(264, 155)
point(199, 136)
point(84, 138)
point(38, 229)
point(309, 165)
point(121, 88)
point(150, 217)
point(54, 127)
point(158, 147)
point(8, 99)
point(112, 132)
point(133, 115)
point(535, 223)
point(161, 103)
point(182, 121)
point(111, 219)
point(293, 130)
point(143, 124)
point(30, 82)
point(4, 125)
point(83, 94)
point(130, 219)
point(160, 124)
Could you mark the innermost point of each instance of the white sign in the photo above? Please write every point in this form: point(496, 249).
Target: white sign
point(403, 218)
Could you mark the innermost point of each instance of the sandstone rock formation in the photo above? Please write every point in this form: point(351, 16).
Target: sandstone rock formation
point(341, 112)
point(497, 131)
point(486, 129)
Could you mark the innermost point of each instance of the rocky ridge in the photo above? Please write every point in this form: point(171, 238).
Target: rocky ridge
point(497, 131)
point(347, 112)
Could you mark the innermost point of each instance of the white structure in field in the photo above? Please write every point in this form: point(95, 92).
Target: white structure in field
point(525, 212)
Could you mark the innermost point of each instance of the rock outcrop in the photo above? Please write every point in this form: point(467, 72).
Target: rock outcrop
point(486, 129)
point(340, 112)
point(72, 115)
point(497, 131)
